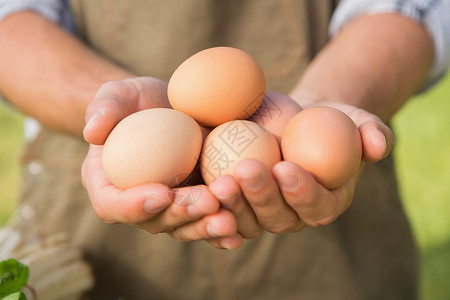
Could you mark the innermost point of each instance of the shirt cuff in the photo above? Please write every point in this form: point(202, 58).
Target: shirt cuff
point(433, 14)
point(50, 9)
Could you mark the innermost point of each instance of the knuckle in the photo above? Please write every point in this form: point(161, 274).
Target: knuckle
point(299, 227)
point(113, 89)
point(252, 235)
point(178, 235)
point(150, 227)
point(322, 221)
point(259, 201)
point(306, 203)
point(251, 232)
point(114, 84)
point(278, 230)
point(327, 216)
point(285, 226)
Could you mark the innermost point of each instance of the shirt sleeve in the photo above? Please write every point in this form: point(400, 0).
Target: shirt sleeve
point(55, 10)
point(433, 14)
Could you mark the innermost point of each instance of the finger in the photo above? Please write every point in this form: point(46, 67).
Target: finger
point(230, 242)
point(262, 193)
point(227, 190)
point(114, 101)
point(314, 204)
point(117, 99)
point(188, 204)
point(220, 224)
point(377, 140)
point(160, 208)
point(113, 205)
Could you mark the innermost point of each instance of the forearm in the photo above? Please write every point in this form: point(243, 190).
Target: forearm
point(47, 73)
point(376, 63)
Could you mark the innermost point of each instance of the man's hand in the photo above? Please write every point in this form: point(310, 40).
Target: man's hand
point(376, 62)
point(187, 213)
point(287, 198)
point(117, 99)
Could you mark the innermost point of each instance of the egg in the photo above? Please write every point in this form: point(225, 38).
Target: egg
point(325, 142)
point(234, 141)
point(158, 145)
point(275, 111)
point(217, 85)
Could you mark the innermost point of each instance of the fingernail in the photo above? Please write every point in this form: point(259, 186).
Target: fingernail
point(385, 144)
point(211, 231)
point(225, 245)
point(289, 182)
point(91, 120)
point(253, 183)
point(231, 242)
point(155, 204)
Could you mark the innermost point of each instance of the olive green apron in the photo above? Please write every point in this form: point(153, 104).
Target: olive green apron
point(368, 253)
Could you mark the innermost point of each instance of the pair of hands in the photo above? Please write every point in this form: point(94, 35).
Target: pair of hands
point(232, 208)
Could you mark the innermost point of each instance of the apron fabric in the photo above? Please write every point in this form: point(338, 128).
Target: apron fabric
point(367, 253)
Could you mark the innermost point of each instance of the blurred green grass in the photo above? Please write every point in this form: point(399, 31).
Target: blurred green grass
point(422, 152)
point(11, 140)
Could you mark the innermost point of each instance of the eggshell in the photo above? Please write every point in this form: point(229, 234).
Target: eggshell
point(234, 141)
point(154, 145)
point(217, 85)
point(275, 111)
point(325, 142)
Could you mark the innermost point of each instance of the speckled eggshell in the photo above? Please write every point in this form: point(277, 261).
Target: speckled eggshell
point(234, 141)
point(217, 85)
point(158, 145)
point(275, 112)
point(325, 142)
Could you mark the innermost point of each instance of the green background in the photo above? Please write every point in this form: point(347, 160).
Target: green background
point(422, 152)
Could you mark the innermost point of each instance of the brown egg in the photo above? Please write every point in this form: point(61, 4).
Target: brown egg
point(234, 141)
point(217, 85)
point(275, 112)
point(154, 145)
point(325, 142)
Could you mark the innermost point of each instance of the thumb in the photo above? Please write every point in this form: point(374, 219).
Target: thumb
point(377, 140)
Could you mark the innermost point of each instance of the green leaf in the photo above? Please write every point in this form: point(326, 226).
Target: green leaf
point(13, 276)
point(15, 296)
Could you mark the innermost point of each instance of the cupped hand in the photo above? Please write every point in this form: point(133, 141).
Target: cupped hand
point(117, 99)
point(288, 198)
point(188, 213)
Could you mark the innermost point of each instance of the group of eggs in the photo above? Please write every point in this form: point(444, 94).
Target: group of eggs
point(221, 115)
